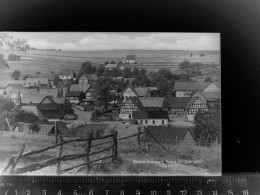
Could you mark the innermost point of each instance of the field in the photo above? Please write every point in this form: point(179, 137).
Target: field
point(131, 161)
point(45, 61)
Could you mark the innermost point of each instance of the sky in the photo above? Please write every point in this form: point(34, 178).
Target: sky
point(73, 41)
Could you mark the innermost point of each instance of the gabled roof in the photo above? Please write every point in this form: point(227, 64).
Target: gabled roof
point(16, 86)
point(131, 87)
point(212, 96)
point(141, 91)
point(190, 86)
point(200, 95)
point(73, 93)
point(152, 101)
point(5, 83)
point(111, 65)
point(32, 98)
point(167, 134)
point(42, 81)
point(130, 57)
point(83, 88)
point(175, 102)
point(61, 128)
point(91, 77)
point(192, 100)
point(60, 100)
point(150, 114)
point(66, 72)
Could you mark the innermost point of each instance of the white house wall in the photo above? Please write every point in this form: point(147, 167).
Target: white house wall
point(157, 122)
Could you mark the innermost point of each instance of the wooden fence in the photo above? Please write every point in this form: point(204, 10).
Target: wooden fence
point(89, 140)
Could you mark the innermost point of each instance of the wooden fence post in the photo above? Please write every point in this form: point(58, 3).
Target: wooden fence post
point(56, 133)
point(60, 139)
point(87, 149)
point(115, 143)
point(12, 170)
point(112, 139)
point(138, 138)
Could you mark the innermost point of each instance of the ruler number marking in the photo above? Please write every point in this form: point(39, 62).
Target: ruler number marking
point(168, 192)
point(91, 192)
point(137, 192)
point(122, 192)
point(107, 191)
point(59, 193)
point(245, 192)
point(28, 192)
point(230, 192)
point(75, 192)
point(199, 192)
point(44, 192)
point(183, 192)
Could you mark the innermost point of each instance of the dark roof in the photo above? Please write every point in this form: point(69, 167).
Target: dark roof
point(212, 96)
point(66, 72)
point(17, 86)
point(89, 77)
point(150, 114)
point(167, 134)
point(52, 110)
point(152, 101)
point(191, 86)
point(73, 93)
point(130, 57)
point(77, 87)
point(141, 91)
point(175, 102)
point(33, 98)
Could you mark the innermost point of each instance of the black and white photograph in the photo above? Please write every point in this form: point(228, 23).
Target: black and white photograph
point(110, 103)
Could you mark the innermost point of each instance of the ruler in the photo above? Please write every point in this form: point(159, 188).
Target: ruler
point(118, 185)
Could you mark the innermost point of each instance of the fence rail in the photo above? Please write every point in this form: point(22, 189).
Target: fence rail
point(13, 160)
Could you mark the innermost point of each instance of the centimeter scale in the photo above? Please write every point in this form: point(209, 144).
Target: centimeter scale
point(108, 185)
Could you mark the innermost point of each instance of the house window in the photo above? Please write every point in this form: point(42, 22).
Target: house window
point(145, 121)
point(162, 121)
point(153, 121)
point(130, 116)
point(141, 121)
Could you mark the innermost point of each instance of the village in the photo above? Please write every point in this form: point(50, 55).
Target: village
point(164, 109)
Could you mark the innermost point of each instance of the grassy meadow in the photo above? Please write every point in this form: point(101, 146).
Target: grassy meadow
point(131, 161)
point(45, 61)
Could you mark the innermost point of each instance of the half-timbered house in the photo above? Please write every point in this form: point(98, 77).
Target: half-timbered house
point(128, 106)
point(187, 89)
point(194, 105)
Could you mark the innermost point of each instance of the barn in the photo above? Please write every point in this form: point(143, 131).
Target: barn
point(170, 135)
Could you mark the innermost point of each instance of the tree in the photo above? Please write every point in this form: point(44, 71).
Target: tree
point(208, 79)
point(141, 81)
point(184, 65)
point(127, 72)
point(207, 126)
point(13, 57)
point(106, 62)
point(57, 80)
point(113, 62)
point(3, 63)
point(87, 68)
point(6, 104)
point(136, 71)
point(163, 87)
point(16, 74)
point(100, 70)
